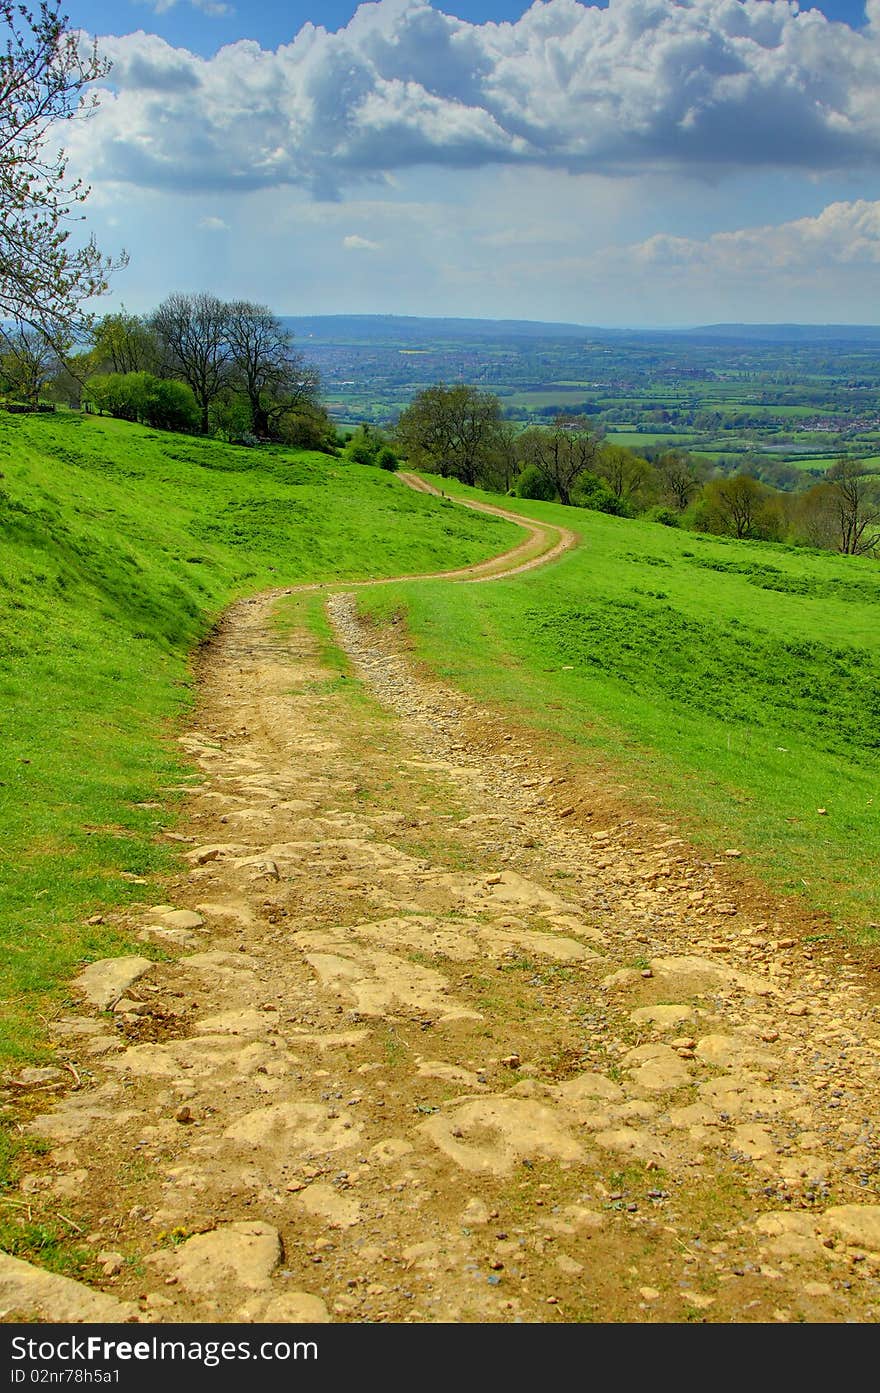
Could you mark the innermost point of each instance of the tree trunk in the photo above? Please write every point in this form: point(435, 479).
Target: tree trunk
point(259, 418)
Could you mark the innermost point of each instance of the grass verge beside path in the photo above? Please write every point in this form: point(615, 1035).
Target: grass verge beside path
point(119, 546)
point(738, 682)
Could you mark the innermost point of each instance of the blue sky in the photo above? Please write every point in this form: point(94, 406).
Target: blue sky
point(272, 22)
point(643, 162)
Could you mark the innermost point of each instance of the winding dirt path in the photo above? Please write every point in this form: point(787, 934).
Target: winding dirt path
point(544, 544)
point(442, 1030)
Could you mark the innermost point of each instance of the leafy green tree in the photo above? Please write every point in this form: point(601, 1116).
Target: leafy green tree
point(533, 484)
point(307, 427)
point(450, 431)
point(126, 343)
point(592, 492)
point(363, 445)
point(169, 405)
point(630, 478)
point(230, 418)
point(500, 466)
point(387, 459)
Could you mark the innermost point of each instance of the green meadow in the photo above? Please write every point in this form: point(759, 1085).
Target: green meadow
point(738, 682)
point(119, 547)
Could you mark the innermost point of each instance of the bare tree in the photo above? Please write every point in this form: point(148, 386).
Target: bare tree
point(276, 380)
point(737, 503)
point(194, 331)
point(44, 74)
point(28, 363)
point(501, 464)
point(678, 477)
point(561, 453)
point(855, 501)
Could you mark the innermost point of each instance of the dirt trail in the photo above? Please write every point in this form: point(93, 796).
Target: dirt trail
point(545, 543)
point(428, 1044)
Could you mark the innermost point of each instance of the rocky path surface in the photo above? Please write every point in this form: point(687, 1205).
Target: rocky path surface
point(440, 1031)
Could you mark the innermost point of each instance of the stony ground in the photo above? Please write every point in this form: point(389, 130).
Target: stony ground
point(445, 1029)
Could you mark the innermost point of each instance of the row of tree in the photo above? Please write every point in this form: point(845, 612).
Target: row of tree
point(459, 432)
point(197, 363)
point(236, 359)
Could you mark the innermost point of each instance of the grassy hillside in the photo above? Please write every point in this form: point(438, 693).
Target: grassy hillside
point(740, 681)
point(118, 546)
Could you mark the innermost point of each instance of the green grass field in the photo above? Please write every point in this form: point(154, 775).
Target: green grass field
point(635, 440)
point(118, 548)
point(737, 681)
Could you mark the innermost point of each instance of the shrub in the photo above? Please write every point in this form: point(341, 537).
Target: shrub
point(359, 452)
point(593, 493)
point(307, 429)
point(231, 418)
point(387, 459)
point(138, 396)
point(669, 517)
point(533, 484)
point(169, 405)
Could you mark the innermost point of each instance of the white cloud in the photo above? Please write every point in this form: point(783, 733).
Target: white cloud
point(354, 243)
point(706, 86)
point(843, 235)
point(215, 8)
point(214, 224)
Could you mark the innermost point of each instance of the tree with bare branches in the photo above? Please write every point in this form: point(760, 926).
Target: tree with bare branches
point(561, 453)
point(194, 332)
point(855, 504)
point(45, 277)
point(27, 363)
point(276, 380)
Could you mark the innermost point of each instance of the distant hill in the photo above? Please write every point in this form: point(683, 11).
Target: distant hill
point(786, 333)
point(392, 328)
point(370, 328)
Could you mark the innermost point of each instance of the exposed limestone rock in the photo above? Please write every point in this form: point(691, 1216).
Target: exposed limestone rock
point(492, 1134)
point(238, 1255)
point(296, 1308)
point(858, 1224)
point(105, 981)
point(29, 1293)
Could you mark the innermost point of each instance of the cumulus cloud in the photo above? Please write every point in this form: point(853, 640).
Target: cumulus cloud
point(843, 235)
point(354, 243)
point(706, 85)
point(214, 224)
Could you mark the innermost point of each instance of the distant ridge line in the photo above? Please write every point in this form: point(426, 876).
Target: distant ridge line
point(368, 327)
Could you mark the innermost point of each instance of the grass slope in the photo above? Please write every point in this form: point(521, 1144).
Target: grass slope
point(118, 547)
point(739, 681)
